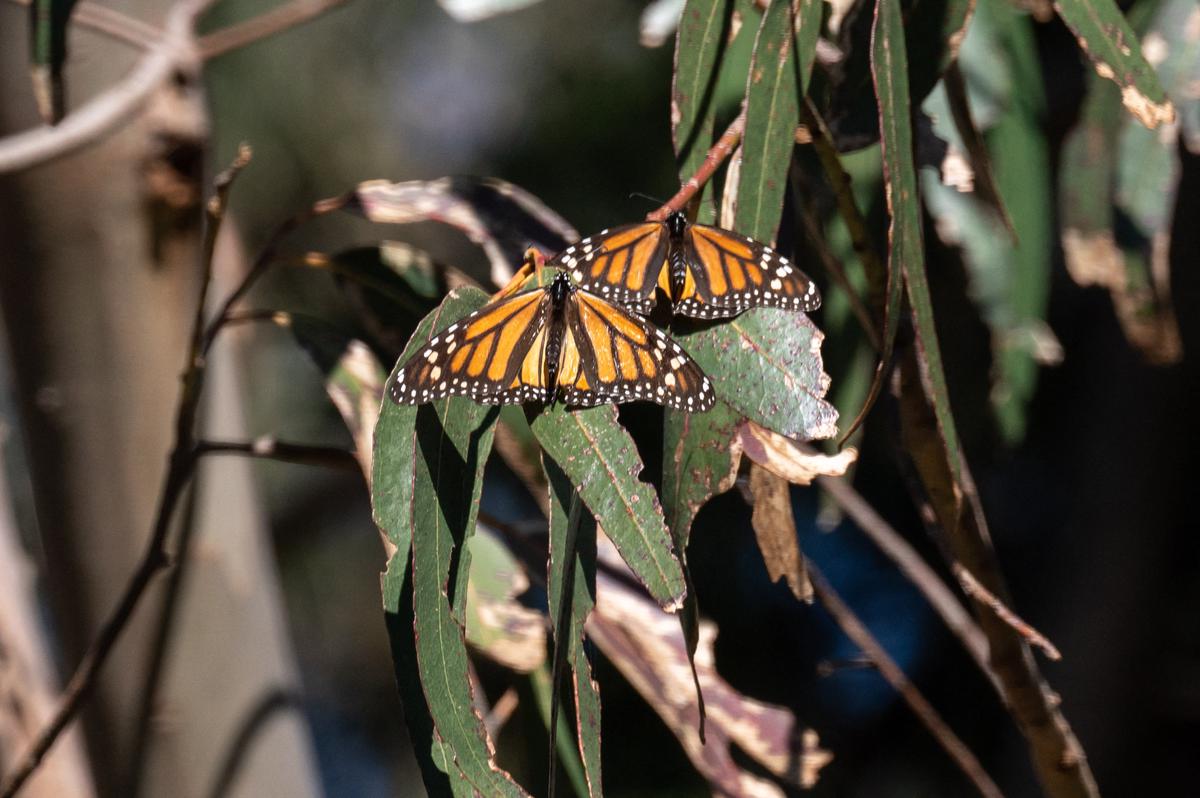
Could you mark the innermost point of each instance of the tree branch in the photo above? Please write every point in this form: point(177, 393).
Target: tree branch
point(268, 448)
point(110, 108)
point(922, 576)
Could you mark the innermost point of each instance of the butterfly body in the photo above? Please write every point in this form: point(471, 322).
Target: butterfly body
point(553, 343)
point(707, 272)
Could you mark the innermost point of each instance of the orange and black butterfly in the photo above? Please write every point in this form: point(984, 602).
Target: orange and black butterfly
point(553, 343)
point(710, 273)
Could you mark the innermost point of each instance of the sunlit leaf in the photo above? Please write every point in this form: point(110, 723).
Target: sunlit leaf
point(644, 644)
point(766, 364)
point(601, 460)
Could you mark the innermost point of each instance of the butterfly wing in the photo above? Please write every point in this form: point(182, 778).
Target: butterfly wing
point(621, 265)
point(495, 355)
point(730, 273)
point(609, 355)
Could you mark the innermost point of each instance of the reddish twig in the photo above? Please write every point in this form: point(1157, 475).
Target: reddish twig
point(265, 25)
point(929, 717)
point(977, 591)
point(716, 156)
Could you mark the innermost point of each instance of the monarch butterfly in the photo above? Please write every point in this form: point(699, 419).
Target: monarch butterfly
point(550, 343)
point(712, 273)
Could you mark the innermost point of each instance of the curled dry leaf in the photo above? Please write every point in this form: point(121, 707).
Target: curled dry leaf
point(500, 217)
point(645, 645)
point(793, 461)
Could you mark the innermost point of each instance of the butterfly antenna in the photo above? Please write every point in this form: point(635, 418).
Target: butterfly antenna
point(640, 195)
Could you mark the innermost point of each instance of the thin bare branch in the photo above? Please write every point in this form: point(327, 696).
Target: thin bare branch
point(857, 631)
point(269, 448)
point(265, 258)
point(716, 156)
point(975, 590)
point(940, 597)
point(100, 116)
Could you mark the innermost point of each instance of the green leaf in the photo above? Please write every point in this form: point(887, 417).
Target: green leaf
point(906, 254)
point(783, 56)
point(427, 478)
point(48, 20)
point(579, 557)
point(539, 682)
point(701, 39)
point(1108, 40)
point(766, 364)
point(697, 464)
point(601, 460)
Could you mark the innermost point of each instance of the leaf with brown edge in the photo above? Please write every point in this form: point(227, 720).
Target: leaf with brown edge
point(500, 217)
point(775, 531)
point(601, 460)
point(571, 594)
point(1107, 39)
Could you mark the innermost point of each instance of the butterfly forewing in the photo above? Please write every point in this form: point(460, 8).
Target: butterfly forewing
point(620, 265)
point(481, 356)
point(726, 273)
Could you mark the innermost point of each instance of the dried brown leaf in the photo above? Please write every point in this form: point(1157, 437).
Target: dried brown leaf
point(775, 530)
point(795, 462)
